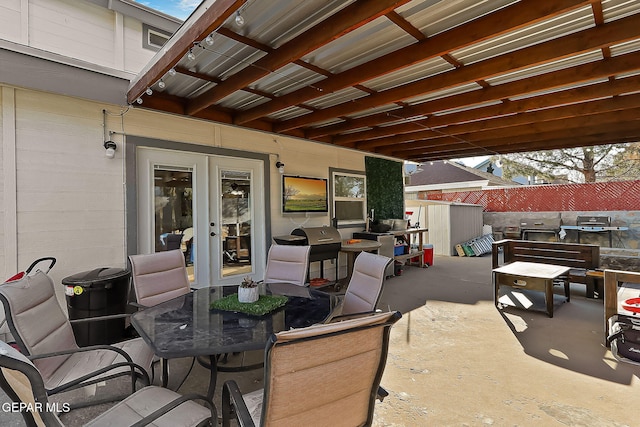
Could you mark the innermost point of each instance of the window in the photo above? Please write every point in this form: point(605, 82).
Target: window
point(154, 38)
point(349, 198)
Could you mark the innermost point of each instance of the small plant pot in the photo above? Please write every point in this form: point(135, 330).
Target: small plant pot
point(248, 294)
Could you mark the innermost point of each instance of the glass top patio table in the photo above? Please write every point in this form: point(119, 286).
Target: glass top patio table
point(186, 326)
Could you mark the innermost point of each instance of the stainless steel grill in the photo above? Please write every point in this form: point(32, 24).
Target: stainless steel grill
point(593, 221)
point(540, 225)
point(325, 243)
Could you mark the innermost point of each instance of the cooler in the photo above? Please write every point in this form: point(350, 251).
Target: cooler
point(428, 254)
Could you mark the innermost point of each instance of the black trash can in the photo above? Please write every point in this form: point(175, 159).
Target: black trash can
point(95, 293)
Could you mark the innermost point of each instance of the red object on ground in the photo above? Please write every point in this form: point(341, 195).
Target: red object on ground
point(635, 308)
point(428, 254)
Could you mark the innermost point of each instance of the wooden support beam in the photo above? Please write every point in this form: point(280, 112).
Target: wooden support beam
point(351, 17)
point(499, 124)
point(578, 74)
point(569, 96)
point(511, 18)
point(568, 129)
point(213, 17)
point(616, 32)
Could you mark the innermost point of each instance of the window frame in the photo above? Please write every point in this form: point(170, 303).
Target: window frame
point(147, 30)
point(333, 173)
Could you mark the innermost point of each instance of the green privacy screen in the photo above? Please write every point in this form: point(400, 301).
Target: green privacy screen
point(385, 190)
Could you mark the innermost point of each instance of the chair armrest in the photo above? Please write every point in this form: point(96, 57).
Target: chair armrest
point(382, 393)
point(129, 363)
point(80, 380)
point(336, 309)
point(340, 318)
point(174, 404)
point(99, 318)
point(83, 349)
point(138, 305)
point(231, 395)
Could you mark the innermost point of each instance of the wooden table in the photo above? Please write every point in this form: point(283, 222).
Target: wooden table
point(352, 249)
point(530, 276)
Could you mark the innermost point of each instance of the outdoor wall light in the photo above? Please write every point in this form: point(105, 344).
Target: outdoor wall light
point(111, 147)
point(280, 166)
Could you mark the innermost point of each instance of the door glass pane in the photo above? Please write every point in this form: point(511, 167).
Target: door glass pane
point(173, 207)
point(236, 223)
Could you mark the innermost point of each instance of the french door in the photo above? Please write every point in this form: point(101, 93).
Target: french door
point(210, 207)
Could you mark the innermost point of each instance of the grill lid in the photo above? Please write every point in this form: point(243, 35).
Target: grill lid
point(318, 235)
point(541, 224)
point(593, 221)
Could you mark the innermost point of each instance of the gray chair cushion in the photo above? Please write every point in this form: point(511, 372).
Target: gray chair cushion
point(40, 326)
point(159, 277)
point(146, 401)
point(287, 264)
point(366, 282)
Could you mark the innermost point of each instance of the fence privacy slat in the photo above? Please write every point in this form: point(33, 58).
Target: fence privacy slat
point(595, 196)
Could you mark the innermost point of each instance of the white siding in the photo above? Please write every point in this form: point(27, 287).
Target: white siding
point(70, 196)
point(135, 56)
point(10, 15)
point(72, 28)
point(76, 29)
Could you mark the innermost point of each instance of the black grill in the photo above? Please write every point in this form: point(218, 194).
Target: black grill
point(325, 243)
point(540, 225)
point(593, 221)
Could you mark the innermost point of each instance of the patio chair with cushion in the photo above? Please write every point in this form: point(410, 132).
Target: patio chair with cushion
point(326, 374)
point(287, 264)
point(365, 286)
point(44, 334)
point(23, 383)
point(157, 278)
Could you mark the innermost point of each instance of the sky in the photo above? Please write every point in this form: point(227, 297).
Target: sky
point(472, 161)
point(178, 8)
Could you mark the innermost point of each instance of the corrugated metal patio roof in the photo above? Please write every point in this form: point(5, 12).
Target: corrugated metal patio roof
point(416, 80)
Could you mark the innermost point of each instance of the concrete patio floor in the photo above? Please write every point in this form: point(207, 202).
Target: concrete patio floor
point(455, 360)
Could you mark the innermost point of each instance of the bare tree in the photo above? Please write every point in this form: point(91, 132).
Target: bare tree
point(289, 192)
point(583, 164)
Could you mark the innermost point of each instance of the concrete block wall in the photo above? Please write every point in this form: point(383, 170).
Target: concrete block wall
point(625, 253)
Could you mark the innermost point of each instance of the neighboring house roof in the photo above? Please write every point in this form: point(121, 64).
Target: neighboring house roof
point(447, 172)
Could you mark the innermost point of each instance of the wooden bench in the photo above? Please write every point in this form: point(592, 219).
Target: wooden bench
point(579, 257)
